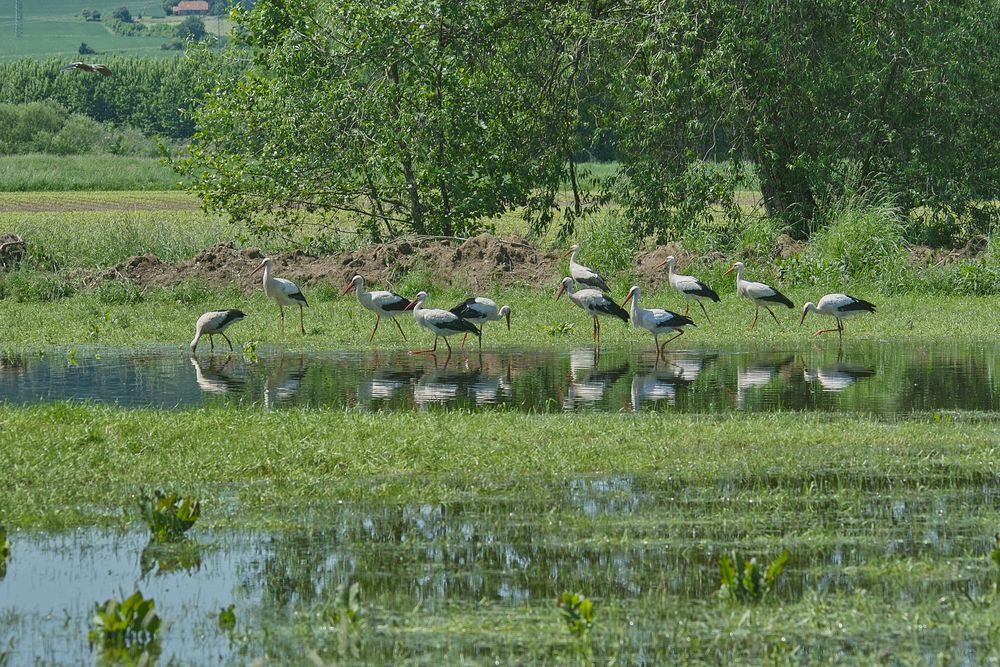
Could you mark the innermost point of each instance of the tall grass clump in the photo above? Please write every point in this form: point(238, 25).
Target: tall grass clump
point(861, 243)
point(607, 245)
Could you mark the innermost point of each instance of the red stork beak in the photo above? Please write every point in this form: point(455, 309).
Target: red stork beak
point(568, 253)
point(347, 289)
point(628, 298)
point(410, 305)
point(562, 288)
point(259, 267)
point(508, 320)
point(660, 265)
point(805, 311)
point(729, 270)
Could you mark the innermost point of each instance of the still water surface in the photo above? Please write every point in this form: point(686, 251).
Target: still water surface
point(627, 540)
point(886, 379)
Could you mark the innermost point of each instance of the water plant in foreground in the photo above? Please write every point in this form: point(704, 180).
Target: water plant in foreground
point(747, 580)
point(577, 611)
point(131, 623)
point(227, 618)
point(4, 551)
point(168, 515)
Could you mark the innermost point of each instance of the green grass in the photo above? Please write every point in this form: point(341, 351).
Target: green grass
point(65, 465)
point(56, 28)
point(44, 173)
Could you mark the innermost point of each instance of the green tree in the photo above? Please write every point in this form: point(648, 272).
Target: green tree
point(420, 115)
point(122, 14)
point(193, 27)
point(810, 92)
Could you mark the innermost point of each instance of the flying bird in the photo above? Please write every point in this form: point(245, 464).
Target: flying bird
point(101, 69)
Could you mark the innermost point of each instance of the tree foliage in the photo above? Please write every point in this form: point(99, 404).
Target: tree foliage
point(418, 115)
point(433, 116)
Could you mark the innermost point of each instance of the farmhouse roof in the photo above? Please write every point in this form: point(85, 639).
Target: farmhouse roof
point(191, 6)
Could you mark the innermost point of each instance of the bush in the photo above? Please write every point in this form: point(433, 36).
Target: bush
point(122, 14)
point(85, 50)
point(607, 245)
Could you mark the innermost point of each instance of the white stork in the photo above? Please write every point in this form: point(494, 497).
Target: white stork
point(582, 274)
point(595, 302)
point(838, 376)
point(284, 292)
point(480, 310)
point(759, 293)
point(215, 322)
point(382, 303)
point(656, 320)
point(441, 323)
point(689, 286)
point(838, 306)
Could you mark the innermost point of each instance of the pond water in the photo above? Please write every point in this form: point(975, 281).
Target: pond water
point(866, 377)
point(624, 540)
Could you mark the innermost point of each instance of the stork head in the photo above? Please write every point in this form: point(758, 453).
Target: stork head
point(356, 281)
point(805, 311)
point(566, 284)
point(669, 261)
point(573, 248)
point(266, 262)
point(417, 300)
point(633, 293)
point(737, 267)
point(505, 313)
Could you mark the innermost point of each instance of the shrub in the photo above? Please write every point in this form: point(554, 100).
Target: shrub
point(608, 245)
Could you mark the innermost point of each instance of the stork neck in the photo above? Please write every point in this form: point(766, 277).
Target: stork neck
point(739, 275)
point(572, 256)
point(670, 269)
point(635, 305)
point(267, 274)
point(359, 288)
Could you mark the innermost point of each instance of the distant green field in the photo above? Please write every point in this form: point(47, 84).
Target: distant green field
point(56, 28)
point(27, 173)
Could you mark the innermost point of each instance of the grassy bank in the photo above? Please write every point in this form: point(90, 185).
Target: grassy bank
point(38, 312)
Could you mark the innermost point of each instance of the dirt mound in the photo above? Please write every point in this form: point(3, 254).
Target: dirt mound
point(478, 262)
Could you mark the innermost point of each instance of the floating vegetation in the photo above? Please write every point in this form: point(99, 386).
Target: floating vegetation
point(130, 625)
point(747, 580)
point(168, 515)
point(250, 349)
point(578, 613)
point(227, 618)
point(4, 552)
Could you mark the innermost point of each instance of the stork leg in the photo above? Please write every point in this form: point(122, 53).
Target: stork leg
point(302, 324)
point(400, 328)
point(463, 340)
point(756, 313)
point(823, 331)
point(447, 344)
point(597, 323)
point(227, 340)
point(282, 310)
point(378, 318)
point(704, 311)
point(775, 317)
point(595, 330)
point(431, 350)
point(687, 305)
point(680, 332)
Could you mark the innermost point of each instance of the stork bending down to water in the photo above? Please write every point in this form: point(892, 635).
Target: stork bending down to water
point(759, 293)
point(838, 306)
point(584, 275)
point(441, 323)
point(284, 292)
point(656, 320)
point(690, 287)
point(382, 303)
point(479, 310)
point(215, 322)
point(595, 302)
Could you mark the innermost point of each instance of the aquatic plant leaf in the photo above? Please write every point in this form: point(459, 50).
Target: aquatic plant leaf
point(227, 617)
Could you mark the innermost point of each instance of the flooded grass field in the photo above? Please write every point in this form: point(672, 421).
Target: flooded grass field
point(341, 525)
